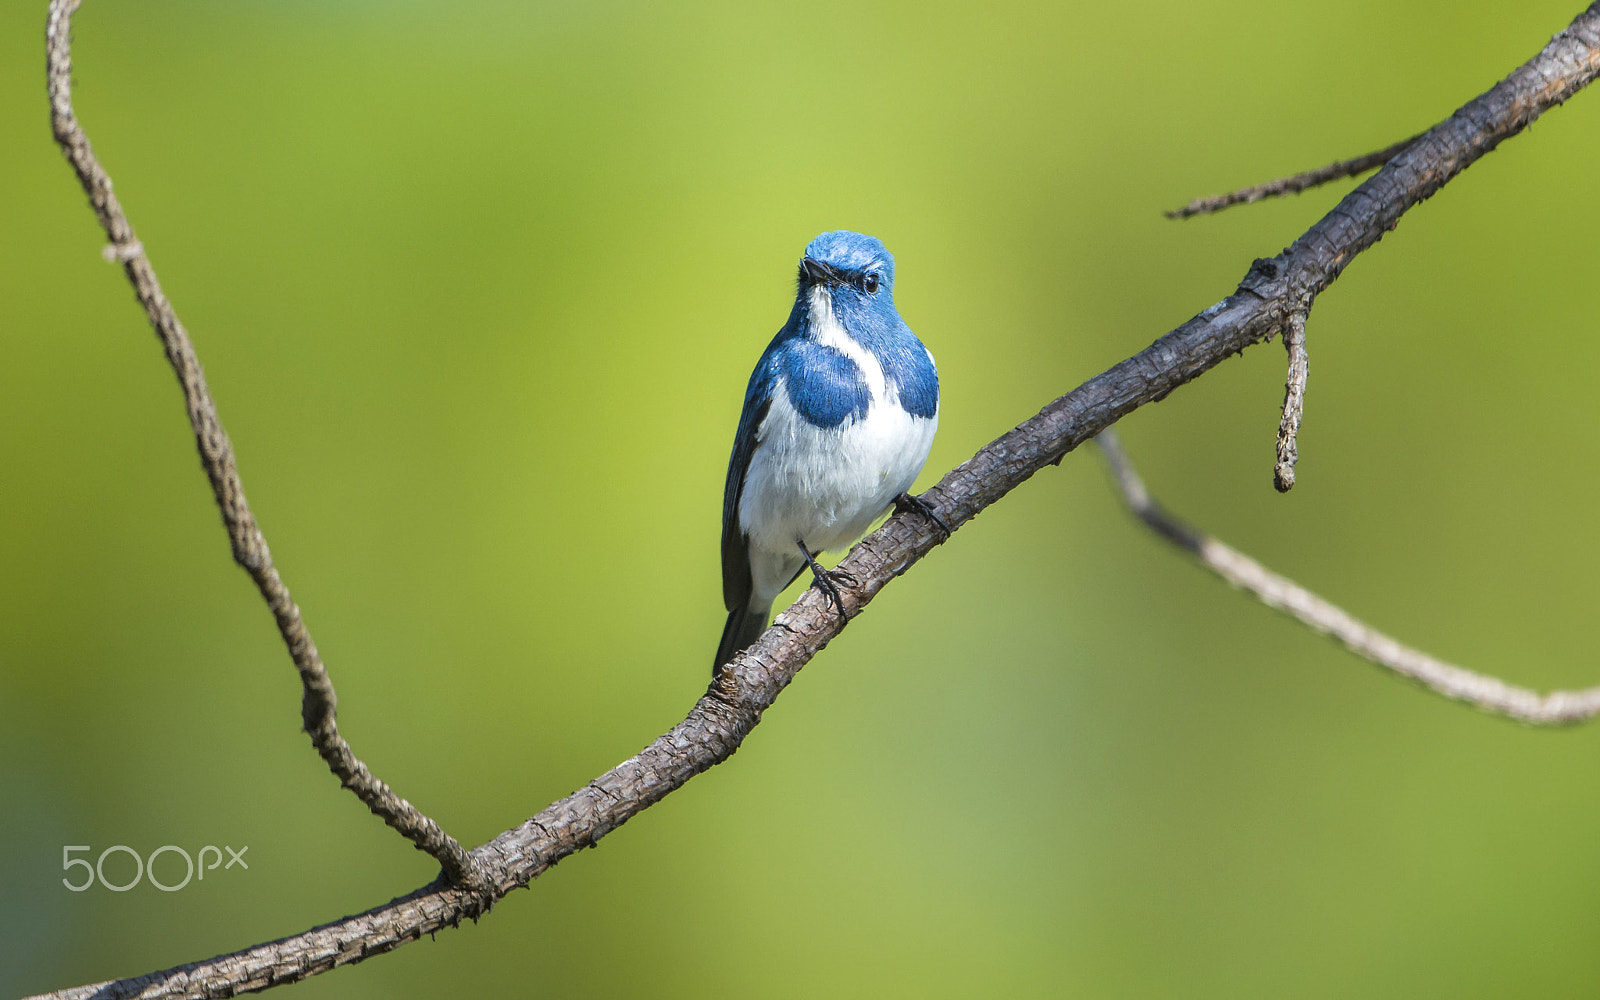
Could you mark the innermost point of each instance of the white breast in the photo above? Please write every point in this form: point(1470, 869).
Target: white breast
point(825, 486)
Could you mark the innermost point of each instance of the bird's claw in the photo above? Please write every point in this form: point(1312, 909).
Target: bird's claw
point(906, 501)
point(824, 581)
point(827, 581)
point(842, 575)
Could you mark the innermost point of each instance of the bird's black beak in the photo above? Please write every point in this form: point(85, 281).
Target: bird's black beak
point(815, 272)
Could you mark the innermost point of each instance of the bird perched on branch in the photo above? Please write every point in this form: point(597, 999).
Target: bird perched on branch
point(838, 419)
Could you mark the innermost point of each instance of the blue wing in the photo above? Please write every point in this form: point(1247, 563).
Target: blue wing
point(736, 583)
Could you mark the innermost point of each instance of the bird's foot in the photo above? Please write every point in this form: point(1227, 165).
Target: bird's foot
point(906, 501)
point(828, 580)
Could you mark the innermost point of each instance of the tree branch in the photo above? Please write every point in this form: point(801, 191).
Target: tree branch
point(1558, 708)
point(319, 704)
point(1294, 185)
point(1294, 401)
point(746, 686)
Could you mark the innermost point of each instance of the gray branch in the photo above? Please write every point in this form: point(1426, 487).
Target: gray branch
point(1294, 401)
point(1558, 708)
point(1354, 167)
point(318, 707)
point(745, 687)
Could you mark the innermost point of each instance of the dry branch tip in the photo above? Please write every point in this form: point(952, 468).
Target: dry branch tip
point(1353, 167)
point(1482, 691)
point(1294, 398)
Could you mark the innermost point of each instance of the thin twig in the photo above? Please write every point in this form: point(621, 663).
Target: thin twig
point(1294, 185)
point(745, 687)
point(1294, 401)
point(1558, 708)
point(216, 455)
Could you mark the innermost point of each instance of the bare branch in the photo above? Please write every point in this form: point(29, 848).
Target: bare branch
point(216, 455)
point(1294, 185)
point(1294, 401)
point(752, 681)
point(1558, 708)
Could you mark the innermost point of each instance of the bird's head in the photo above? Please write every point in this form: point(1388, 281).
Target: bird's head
point(846, 263)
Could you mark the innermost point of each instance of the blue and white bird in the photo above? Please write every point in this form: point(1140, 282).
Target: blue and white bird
point(838, 419)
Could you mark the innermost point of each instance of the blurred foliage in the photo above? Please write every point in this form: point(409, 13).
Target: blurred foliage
point(478, 287)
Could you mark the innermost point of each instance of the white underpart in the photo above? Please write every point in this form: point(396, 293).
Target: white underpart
point(825, 485)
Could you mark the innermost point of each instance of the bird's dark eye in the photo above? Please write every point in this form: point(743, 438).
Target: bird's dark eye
point(870, 283)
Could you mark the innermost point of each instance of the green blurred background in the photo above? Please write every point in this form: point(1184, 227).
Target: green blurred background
point(478, 288)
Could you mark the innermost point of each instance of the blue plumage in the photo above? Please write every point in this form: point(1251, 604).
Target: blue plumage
point(825, 386)
point(838, 418)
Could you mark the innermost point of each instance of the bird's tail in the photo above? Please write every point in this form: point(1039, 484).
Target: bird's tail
point(744, 627)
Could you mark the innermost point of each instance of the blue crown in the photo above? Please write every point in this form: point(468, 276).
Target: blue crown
point(850, 252)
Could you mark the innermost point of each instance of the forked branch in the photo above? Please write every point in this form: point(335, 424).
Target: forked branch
point(745, 687)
